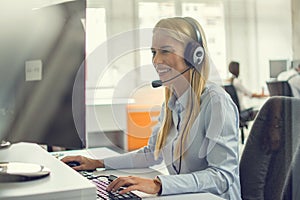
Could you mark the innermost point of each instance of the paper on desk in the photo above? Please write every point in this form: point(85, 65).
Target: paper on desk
point(101, 153)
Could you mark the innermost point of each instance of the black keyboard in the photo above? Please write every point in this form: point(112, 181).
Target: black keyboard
point(102, 182)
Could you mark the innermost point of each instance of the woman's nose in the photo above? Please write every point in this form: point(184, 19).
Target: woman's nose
point(157, 59)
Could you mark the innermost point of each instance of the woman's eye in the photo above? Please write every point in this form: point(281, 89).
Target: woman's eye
point(165, 51)
point(153, 53)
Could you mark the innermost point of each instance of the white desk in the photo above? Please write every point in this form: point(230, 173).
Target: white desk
point(63, 182)
point(101, 153)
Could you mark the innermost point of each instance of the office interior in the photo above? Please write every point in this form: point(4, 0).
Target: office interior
point(118, 81)
point(254, 33)
point(120, 106)
point(118, 67)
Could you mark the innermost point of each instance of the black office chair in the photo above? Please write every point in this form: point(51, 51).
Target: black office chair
point(245, 115)
point(279, 88)
point(292, 185)
point(266, 159)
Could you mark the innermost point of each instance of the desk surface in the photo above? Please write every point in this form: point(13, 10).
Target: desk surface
point(103, 152)
point(65, 183)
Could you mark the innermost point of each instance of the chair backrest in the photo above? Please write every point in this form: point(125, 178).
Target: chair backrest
point(230, 89)
point(292, 186)
point(279, 88)
point(266, 159)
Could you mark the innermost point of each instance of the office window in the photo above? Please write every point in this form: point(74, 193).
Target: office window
point(209, 14)
point(95, 36)
point(96, 49)
point(145, 15)
point(211, 18)
point(95, 28)
point(149, 14)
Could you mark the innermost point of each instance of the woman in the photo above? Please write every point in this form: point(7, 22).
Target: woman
point(197, 133)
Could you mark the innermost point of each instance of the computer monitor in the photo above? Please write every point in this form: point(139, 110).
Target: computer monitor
point(295, 63)
point(42, 79)
point(276, 67)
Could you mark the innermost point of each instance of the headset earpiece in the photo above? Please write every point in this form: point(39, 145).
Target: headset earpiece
point(194, 52)
point(194, 55)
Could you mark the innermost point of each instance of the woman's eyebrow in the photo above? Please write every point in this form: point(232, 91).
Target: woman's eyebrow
point(162, 47)
point(166, 47)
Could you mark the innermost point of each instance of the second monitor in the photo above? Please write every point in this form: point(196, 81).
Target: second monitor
point(276, 67)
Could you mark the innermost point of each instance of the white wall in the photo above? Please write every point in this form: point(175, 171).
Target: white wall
point(296, 29)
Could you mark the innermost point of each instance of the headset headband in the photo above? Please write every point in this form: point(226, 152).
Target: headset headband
point(196, 29)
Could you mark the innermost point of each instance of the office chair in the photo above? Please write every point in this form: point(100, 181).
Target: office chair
point(245, 115)
point(292, 186)
point(279, 88)
point(266, 159)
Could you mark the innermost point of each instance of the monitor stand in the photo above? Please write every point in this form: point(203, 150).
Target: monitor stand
point(18, 171)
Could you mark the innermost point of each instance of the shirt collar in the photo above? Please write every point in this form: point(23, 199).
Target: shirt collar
point(179, 104)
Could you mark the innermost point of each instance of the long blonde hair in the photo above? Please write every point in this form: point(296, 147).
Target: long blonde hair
point(178, 27)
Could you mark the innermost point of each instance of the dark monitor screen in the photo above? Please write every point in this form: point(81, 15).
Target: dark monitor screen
point(276, 67)
point(42, 79)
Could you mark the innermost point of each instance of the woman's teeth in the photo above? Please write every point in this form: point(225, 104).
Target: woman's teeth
point(162, 71)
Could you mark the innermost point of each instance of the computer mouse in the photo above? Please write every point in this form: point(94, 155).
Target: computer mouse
point(73, 163)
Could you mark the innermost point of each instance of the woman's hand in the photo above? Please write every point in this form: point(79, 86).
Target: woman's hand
point(130, 183)
point(85, 163)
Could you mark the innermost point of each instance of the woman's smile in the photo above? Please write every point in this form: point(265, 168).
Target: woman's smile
point(161, 72)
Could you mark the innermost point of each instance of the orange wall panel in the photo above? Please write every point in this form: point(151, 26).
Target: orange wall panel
point(140, 121)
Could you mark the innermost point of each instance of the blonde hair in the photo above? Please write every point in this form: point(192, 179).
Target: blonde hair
point(180, 29)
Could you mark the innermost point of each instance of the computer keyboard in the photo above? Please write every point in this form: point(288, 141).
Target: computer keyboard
point(102, 182)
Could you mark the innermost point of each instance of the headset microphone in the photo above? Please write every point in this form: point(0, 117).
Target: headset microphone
point(158, 83)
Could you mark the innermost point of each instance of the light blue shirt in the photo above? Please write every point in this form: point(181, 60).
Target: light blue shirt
point(211, 160)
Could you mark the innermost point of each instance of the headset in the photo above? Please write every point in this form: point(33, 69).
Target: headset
point(193, 54)
point(194, 51)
